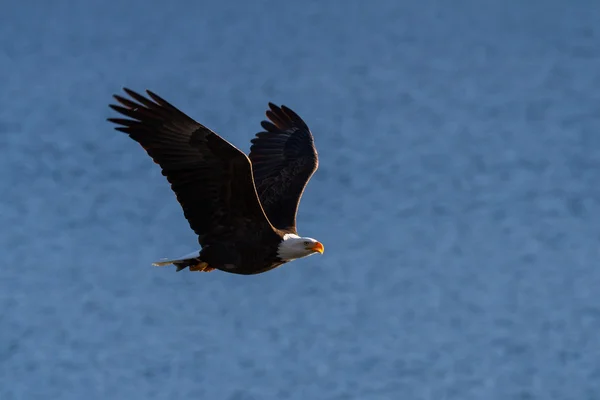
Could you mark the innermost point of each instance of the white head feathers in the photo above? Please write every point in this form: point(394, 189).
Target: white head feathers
point(294, 246)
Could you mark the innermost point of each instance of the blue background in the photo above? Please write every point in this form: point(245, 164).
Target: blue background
point(457, 198)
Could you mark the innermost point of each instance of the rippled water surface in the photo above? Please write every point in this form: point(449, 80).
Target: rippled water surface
point(457, 198)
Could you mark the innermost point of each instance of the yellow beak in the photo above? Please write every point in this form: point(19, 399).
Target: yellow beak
point(317, 247)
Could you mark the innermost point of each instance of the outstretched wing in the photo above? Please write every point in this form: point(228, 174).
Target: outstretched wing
point(210, 177)
point(283, 158)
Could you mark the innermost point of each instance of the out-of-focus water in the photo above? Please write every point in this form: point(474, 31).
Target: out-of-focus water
point(457, 198)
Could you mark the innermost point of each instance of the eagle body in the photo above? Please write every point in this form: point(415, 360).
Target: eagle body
point(243, 208)
point(247, 255)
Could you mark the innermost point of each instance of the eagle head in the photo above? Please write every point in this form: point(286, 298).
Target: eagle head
point(293, 247)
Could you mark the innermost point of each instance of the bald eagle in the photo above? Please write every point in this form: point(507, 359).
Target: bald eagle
point(243, 208)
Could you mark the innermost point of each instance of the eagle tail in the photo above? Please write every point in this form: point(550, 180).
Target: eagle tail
point(191, 260)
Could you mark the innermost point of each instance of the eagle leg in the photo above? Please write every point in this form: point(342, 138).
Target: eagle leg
point(201, 267)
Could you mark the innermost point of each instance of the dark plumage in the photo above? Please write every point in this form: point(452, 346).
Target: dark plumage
point(283, 159)
point(242, 209)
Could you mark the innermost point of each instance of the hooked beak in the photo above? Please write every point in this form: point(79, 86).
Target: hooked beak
point(317, 248)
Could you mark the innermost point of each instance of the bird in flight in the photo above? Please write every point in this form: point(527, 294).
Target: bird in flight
point(243, 208)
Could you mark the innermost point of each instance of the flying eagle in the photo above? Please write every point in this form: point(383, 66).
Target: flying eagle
point(242, 208)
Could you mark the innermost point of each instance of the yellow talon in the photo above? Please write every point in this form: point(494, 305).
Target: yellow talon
point(201, 267)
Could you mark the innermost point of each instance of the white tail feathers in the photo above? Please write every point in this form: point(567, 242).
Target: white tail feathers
point(187, 257)
point(163, 263)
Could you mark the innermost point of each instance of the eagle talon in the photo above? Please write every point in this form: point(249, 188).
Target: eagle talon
point(201, 267)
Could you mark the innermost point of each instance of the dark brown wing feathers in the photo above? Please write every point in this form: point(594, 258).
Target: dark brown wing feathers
point(283, 160)
point(210, 177)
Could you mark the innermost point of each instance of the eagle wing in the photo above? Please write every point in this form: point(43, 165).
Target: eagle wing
point(283, 159)
point(210, 177)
